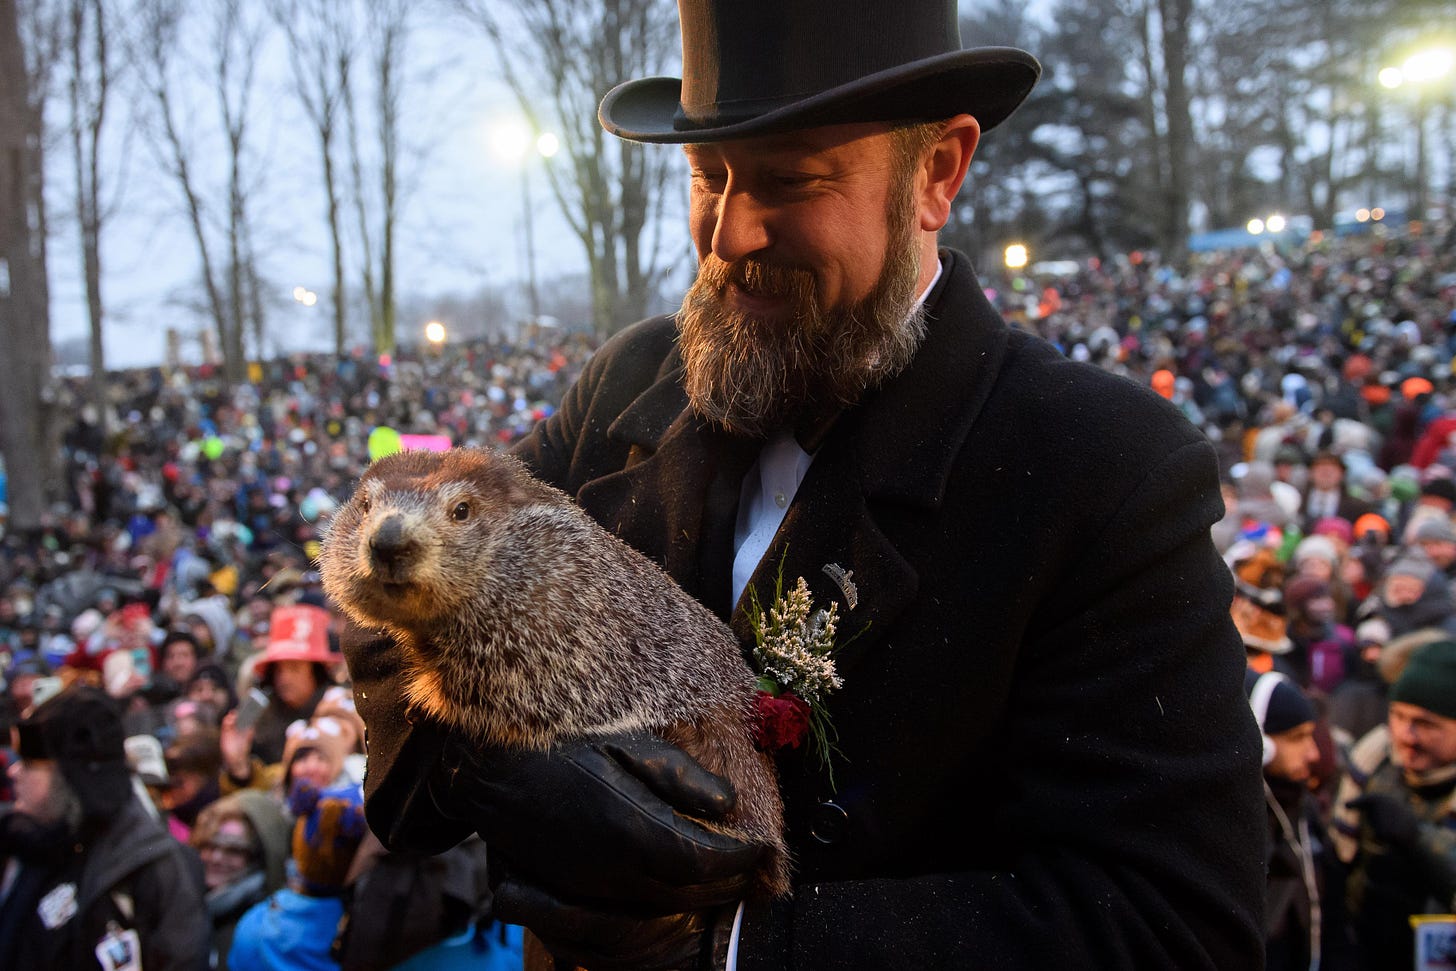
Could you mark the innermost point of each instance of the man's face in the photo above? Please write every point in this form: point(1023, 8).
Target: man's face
point(1402, 589)
point(1295, 754)
point(809, 252)
point(1421, 740)
point(1326, 475)
point(39, 789)
point(1441, 552)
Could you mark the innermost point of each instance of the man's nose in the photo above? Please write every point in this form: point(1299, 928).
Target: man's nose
point(742, 228)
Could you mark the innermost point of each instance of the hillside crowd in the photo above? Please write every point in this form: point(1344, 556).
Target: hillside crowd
point(178, 580)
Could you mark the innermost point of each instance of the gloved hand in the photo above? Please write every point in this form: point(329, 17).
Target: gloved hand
point(609, 941)
point(1392, 820)
point(599, 821)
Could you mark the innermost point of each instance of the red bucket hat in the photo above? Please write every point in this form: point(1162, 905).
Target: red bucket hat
point(297, 633)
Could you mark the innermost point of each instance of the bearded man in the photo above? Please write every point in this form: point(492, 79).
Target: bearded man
point(1044, 757)
point(90, 879)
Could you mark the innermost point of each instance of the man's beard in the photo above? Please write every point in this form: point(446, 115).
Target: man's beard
point(751, 374)
point(47, 835)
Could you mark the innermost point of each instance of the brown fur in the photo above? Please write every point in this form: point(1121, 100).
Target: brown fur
point(525, 622)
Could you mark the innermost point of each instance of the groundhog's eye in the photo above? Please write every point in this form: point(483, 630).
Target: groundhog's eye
point(364, 504)
point(461, 512)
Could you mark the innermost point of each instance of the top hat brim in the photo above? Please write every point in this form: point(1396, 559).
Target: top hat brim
point(987, 82)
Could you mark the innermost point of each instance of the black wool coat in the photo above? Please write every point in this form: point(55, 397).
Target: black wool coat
point(1046, 757)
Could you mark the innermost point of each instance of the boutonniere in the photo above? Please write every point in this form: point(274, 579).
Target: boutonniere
point(793, 656)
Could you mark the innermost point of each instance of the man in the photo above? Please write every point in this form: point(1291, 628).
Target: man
point(1326, 496)
point(1044, 757)
point(1437, 539)
point(1395, 825)
point(1292, 913)
point(90, 879)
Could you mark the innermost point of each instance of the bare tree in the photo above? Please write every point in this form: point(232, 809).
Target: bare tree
point(321, 52)
point(88, 89)
point(376, 182)
point(25, 350)
point(559, 57)
point(234, 40)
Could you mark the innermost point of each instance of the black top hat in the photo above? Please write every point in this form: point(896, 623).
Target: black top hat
point(754, 67)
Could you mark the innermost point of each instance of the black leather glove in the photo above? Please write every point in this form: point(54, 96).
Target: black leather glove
point(1392, 820)
point(608, 941)
point(598, 821)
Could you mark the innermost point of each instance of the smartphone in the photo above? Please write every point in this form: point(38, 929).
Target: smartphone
point(252, 706)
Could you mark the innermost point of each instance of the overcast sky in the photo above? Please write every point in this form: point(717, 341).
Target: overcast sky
point(462, 225)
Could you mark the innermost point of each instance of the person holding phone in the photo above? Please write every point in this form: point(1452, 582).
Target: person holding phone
point(291, 675)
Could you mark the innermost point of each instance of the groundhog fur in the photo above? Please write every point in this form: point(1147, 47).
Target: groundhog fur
point(524, 622)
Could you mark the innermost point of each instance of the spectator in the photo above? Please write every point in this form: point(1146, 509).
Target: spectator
point(1414, 595)
point(193, 762)
point(1286, 719)
point(295, 927)
point(98, 882)
point(294, 671)
point(243, 841)
point(1395, 826)
point(1326, 495)
point(1437, 539)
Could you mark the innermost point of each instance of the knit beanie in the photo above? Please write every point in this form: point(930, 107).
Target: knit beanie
point(326, 836)
point(1429, 679)
point(80, 730)
point(1316, 548)
point(1435, 529)
point(1285, 708)
point(1411, 564)
point(324, 735)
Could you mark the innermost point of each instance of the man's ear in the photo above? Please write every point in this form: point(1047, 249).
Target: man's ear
point(944, 169)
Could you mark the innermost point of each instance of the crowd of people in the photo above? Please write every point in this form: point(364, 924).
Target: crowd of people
point(164, 639)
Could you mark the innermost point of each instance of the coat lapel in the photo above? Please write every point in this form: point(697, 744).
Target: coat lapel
point(896, 449)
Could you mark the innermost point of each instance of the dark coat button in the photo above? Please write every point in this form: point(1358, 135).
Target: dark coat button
point(830, 823)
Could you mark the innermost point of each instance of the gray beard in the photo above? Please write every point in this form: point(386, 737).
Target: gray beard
point(751, 375)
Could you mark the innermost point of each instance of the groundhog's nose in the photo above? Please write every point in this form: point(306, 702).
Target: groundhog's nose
point(390, 547)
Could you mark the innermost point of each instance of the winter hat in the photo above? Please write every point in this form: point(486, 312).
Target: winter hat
point(1373, 631)
point(1411, 564)
point(1436, 529)
point(1429, 679)
point(1442, 488)
point(1301, 590)
point(338, 702)
point(324, 735)
point(1258, 604)
point(1336, 527)
point(296, 633)
point(326, 836)
point(1371, 521)
point(1315, 547)
point(1278, 703)
point(80, 729)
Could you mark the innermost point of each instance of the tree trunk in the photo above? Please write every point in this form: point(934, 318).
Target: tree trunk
point(1175, 17)
point(24, 336)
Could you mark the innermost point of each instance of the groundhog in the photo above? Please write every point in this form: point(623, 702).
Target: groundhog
point(524, 622)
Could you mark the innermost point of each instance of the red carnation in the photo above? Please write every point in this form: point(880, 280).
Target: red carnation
point(782, 721)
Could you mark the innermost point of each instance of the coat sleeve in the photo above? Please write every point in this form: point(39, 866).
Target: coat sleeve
point(1134, 796)
point(173, 922)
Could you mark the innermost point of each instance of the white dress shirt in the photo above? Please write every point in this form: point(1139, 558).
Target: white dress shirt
point(768, 488)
